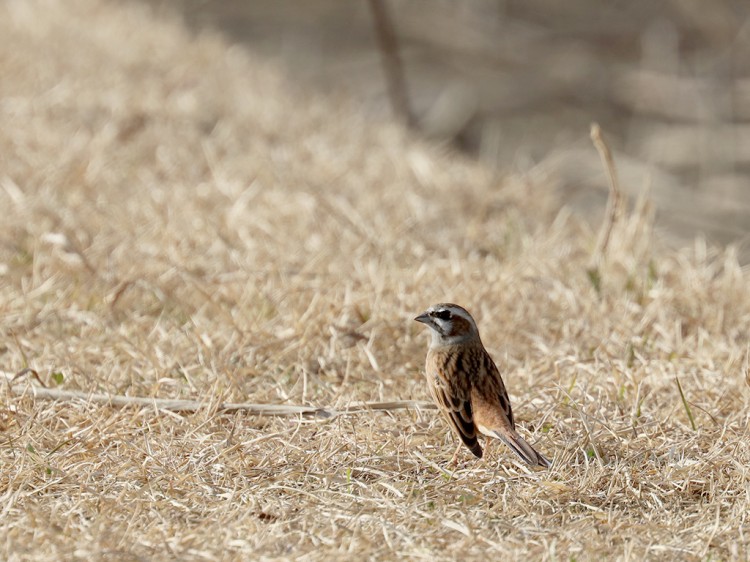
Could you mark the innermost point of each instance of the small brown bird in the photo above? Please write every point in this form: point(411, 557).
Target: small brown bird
point(466, 385)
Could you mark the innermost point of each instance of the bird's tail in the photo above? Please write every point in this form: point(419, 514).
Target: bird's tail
point(526, 452)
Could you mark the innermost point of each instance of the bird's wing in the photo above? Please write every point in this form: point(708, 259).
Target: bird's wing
point(454, 400)
point(496, 387)
point(493, 414)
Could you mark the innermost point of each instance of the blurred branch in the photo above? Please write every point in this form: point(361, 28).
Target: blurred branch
point(392, 65)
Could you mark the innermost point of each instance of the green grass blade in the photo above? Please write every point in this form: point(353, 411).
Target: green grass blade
point(685, 404)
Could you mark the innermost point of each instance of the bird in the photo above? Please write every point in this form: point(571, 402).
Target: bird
point(466, 385)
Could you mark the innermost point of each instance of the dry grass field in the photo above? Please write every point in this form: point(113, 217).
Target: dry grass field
point(179, 221)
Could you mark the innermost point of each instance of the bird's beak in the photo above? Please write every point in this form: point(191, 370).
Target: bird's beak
point(424, 318)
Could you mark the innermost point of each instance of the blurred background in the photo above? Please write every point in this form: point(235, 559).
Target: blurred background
point(517, 83)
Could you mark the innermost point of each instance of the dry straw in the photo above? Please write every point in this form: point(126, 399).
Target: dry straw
point(180, 224)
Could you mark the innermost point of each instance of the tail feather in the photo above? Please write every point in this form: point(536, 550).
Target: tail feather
point(520, 447)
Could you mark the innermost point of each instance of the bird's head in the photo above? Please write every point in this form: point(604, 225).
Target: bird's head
point(450, 324)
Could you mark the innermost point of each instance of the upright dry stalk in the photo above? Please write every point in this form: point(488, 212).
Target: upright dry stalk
point(614, 202)
point(392, 66)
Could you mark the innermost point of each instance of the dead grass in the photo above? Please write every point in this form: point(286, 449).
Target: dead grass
point(178, 225)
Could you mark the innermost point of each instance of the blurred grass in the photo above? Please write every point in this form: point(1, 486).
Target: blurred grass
point(181, 222)
point(517, 83)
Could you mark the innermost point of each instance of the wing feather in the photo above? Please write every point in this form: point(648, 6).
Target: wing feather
point(497, 387)
point(494, 416)
point(453, 398)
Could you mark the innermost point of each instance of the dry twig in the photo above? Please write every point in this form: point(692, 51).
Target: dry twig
point(117, 400)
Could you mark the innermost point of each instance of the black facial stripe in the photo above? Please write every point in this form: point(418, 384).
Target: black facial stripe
point(444, 314)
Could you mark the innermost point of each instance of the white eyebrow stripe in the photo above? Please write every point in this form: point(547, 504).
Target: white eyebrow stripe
point(463, 314)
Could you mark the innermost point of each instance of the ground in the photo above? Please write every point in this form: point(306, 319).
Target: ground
point(179, 223)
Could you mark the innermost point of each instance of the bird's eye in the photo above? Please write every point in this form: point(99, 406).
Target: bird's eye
point(442, 314)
